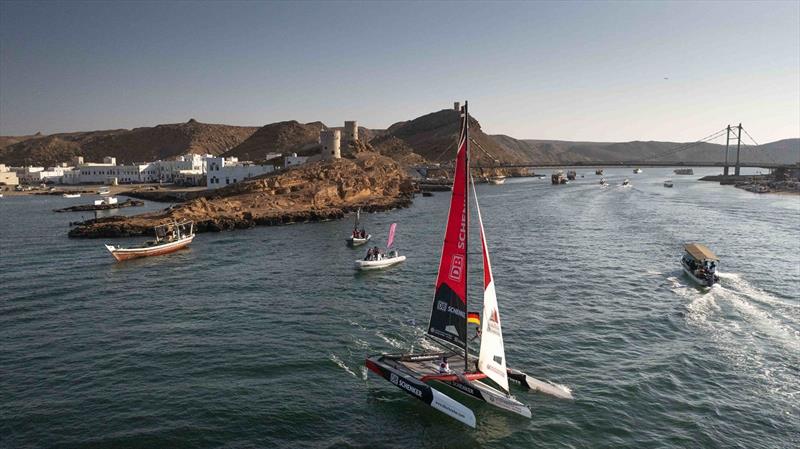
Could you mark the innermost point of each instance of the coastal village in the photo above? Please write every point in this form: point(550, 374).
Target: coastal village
point(207, 170)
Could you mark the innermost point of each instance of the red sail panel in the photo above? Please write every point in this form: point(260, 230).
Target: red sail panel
point(449, 311)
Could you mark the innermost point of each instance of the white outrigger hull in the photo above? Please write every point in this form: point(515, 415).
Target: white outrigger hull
point(366, 265)
point(417, 369)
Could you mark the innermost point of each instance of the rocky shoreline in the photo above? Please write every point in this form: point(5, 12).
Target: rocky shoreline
point(757, 183)
point(318, 191)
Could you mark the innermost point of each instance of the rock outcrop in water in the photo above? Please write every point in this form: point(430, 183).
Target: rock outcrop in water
point(312, 192)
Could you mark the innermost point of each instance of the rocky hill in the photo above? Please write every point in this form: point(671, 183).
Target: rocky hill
point(563, 152)
point(310, 192)
point(281, 137)
point(136, 145)
point(433, 136)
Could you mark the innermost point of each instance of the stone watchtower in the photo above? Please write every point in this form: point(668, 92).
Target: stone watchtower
point(350, 131)
point(331, 141)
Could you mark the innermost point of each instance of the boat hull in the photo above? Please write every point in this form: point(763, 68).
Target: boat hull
point(121, 254)
point(353, 242)
point(366, 265)
point(697, 280)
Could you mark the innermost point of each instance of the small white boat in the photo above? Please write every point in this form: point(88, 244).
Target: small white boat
point(104, 191)
point(358, 241)
point(376, 259)
point(603, 182)
point(700, 264)
point(71, 195)
point(169, 238)
point(359, 236)
point(668, 183)
point(391, 258)
point(636, 171)
point(497, 180)
point(626, 183)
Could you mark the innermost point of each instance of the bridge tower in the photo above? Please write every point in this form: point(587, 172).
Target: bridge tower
point(738, 147)
point(727, 144)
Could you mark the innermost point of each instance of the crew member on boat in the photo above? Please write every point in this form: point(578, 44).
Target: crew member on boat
point(444, 367)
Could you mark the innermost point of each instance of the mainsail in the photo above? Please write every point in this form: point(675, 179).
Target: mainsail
point(492, 359)
point(449, 312)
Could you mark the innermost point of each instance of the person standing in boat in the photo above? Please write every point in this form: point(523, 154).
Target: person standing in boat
point(369, 254)
point(444, 367)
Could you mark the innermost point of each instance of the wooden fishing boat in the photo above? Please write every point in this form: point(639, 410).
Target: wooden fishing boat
point(700, 264)
point(486, 377)
point(170, 237)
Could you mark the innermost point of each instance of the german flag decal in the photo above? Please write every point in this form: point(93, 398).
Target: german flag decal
point(474, 318)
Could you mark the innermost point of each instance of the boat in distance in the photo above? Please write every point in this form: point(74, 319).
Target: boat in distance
point(71, 195)
point(683, 171)
point(359, 236)
point(700, 264)
point(377, 259)
point(668, 183)
point(497, 180)
point(170, 237)
point(487, 376)
point(636, 171)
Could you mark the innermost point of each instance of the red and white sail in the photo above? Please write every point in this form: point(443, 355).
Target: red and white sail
point(449, 312)
point(492, 358)
point(389, 242)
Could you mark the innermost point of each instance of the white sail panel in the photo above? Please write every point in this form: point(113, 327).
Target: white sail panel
point(492, 359)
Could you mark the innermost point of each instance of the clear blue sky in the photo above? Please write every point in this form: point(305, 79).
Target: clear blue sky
point(546, 70)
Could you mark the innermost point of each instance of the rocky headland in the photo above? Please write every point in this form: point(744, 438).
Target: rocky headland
point(316, 191)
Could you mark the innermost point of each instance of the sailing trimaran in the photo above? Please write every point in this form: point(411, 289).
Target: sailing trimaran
point(448, 323)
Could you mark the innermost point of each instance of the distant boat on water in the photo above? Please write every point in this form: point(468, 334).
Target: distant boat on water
point(683, 171)
point(170, 237)
point(668, 183)
point(636, 171)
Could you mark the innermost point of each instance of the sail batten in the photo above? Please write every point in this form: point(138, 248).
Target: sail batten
point(449, 311)
point(492, 358)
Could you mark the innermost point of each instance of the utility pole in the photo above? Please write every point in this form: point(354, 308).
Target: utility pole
point(727, 142)
point(738, 147)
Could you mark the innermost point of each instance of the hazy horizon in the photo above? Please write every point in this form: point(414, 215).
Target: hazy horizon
point(546, 71)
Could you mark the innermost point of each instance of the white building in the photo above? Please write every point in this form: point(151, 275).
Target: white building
point(7, 176)
point(225, 171)
point(294, 159)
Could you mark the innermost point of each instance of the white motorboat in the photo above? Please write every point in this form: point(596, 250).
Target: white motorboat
point(417, 374)
point(700, 264)
point(377, 259)
point(626, 183)
point(358, 236)
point(603, 182)
point(636, 171)
point(71, 195)
point(497, 180)
point(668, 183)
point(382, 261)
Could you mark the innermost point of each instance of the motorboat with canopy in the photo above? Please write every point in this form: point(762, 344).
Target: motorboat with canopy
point(377, 259)
point(485, 377)
point(170, 237)
point(359, 236)
point(700, 264)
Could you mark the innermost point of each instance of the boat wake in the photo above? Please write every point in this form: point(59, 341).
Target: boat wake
point(335, 359)
point(758, 332)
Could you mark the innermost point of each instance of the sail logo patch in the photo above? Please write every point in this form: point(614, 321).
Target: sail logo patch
point(493, 325)
point(456, 267)
point(395, 379)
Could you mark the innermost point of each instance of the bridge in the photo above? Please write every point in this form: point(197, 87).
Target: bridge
point(729, 131)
